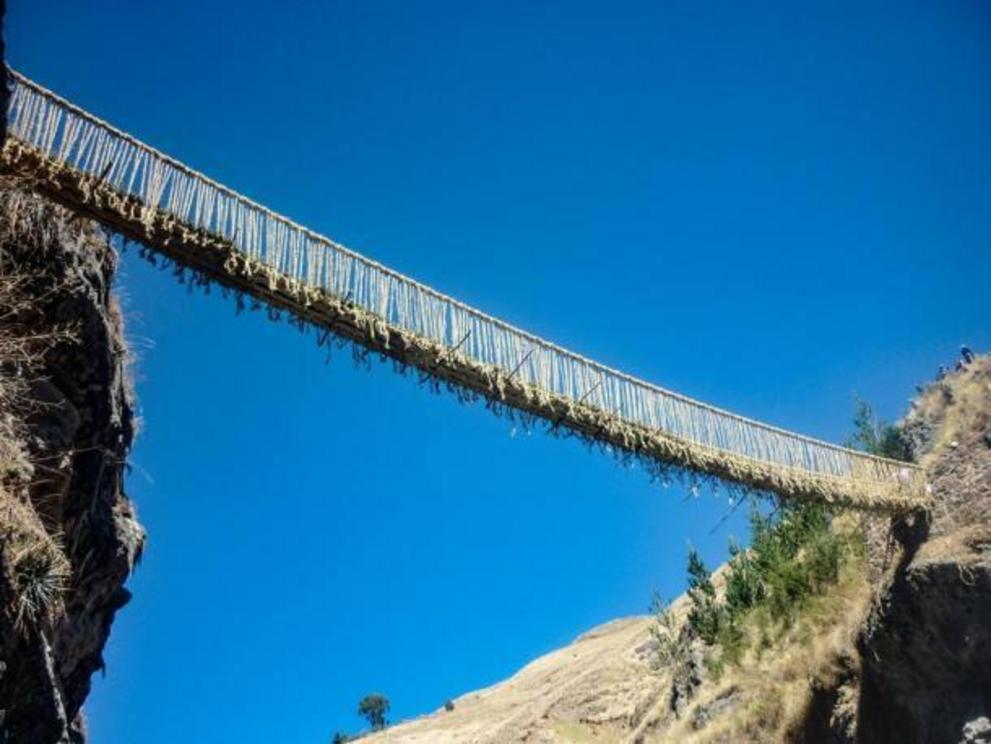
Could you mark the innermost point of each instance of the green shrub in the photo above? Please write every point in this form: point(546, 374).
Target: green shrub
point(796, 554)
point(373, 708)
point(744, 589)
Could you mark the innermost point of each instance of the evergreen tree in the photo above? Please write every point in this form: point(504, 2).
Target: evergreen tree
point(877, 437)
point(743, 586)
point(704, 616)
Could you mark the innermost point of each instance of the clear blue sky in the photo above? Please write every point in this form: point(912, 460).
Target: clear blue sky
point(769, 207)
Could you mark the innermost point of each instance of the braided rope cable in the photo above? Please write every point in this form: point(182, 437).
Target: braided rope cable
point(71, 136)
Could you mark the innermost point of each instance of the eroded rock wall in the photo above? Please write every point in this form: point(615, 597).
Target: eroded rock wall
point(73, 425)
point(926, 646)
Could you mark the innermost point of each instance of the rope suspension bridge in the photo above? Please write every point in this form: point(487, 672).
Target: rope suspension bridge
point(102, 173)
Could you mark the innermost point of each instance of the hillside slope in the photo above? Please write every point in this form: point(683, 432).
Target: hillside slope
point(589, 691)
point(899, 650)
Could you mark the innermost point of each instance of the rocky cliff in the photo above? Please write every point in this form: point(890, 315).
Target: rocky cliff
point(926, 645)
point(68, 535)
point(898, 651)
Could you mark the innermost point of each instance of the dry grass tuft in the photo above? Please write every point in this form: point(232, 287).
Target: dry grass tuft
point(35, 564)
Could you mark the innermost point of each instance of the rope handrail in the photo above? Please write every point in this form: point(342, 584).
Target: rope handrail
point(76, 138)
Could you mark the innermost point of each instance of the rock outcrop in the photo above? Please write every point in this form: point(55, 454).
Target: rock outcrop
point(68, 424)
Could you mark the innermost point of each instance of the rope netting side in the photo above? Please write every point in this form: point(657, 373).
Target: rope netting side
point(73, 138)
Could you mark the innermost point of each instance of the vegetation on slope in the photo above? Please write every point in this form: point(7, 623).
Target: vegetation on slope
point(797, 555)
point(777, 620)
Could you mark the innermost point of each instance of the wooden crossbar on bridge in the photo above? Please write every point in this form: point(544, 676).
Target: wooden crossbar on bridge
point(105, 174)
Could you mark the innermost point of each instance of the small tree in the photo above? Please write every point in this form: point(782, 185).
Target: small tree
point(877, 437)
point(743, 586)
point(373, 709)
point(704, 616)
point(664, 630)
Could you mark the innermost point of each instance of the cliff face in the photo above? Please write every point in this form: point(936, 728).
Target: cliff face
point(898, 651)
point(68, 535)
point(926, 645)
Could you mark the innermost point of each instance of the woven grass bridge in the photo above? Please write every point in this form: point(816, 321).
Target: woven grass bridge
point(102, 173)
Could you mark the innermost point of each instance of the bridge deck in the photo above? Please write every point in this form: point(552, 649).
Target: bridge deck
point(103, 173)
